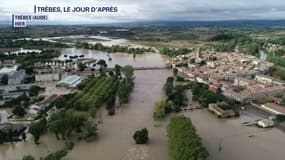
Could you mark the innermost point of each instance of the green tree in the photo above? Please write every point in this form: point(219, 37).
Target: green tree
point(4, 79)
point(280, 118)
point(19, 111)
point(168, 86)
point(184, 143)
point(37, 129)
point(175, 71)
point(129, 73)
point(208, 97)
point(24, 137)
point(159, 112)
point(58, 155)
point(90, 132)
point(141, 136)
point(102, 63)
point(180, 98)
point(34, 90)
point(69, 145)
point(126, 85)
point(28, 157)
point(118, 70)
point(161, 109)
point(64, 123)
point(81, 66)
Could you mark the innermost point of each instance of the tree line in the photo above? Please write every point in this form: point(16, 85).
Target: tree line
point(64, 124)
point(115, 48)
point(183, 140)
point(30, 44)
point(175, 52)
point(176, 99)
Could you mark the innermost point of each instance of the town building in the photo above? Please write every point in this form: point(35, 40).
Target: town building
point(226, 85)
point(273, 108)
point(11, 132)
point(235, 73)
point(47, 74)
point(14, 76)
point(268, 79)
point(7, 91)
point(249, 95)
point(70, 81)
point(47, 77)
point(36, 108)
point(214, 107)
point(243, 82)
point(8, 63)
point(263, 79)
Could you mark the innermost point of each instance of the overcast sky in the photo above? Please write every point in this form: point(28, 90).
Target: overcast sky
point(152, 10)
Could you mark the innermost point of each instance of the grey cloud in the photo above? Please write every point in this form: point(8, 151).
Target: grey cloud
point(137, 10)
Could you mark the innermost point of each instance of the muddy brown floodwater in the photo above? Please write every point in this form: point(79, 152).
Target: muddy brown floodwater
point(267, 144)
point(115, 133)
point(115, 140)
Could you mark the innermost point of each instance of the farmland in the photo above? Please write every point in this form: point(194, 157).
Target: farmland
point(95, 93)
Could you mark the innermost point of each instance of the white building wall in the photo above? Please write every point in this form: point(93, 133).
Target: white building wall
point(47, 77)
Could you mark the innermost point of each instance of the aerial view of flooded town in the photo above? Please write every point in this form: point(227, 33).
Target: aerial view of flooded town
point(146, 89)
point(91, 93)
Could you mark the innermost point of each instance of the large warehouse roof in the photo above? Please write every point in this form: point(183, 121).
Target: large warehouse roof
point(70, 81)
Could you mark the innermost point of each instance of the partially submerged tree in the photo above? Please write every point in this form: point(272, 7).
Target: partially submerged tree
point(37, 129)
point(141, 136)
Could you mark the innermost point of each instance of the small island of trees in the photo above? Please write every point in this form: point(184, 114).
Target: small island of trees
point(184, 143)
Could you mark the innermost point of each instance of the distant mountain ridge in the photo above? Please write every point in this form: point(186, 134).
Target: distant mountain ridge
point(228, 23)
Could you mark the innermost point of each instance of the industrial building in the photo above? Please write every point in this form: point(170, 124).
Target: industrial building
point(70, 81)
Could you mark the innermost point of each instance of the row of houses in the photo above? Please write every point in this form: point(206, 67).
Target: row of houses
point(239, 88)
point(244, 88)
point(249, 95)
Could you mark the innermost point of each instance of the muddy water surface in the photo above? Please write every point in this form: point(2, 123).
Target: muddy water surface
point(115, 133)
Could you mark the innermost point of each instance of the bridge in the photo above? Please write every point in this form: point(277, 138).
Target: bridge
point(145, 68)
point(151, 68)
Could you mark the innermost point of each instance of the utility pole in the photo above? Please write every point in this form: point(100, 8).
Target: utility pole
point(220, 145)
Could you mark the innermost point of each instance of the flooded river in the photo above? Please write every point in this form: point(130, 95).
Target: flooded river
point(141, 60)
point(234, 138)
point(115, 133)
